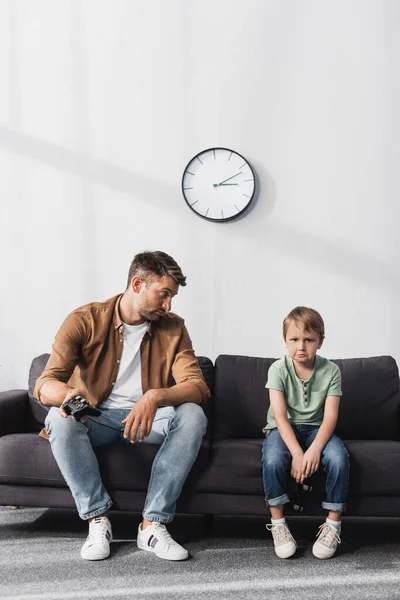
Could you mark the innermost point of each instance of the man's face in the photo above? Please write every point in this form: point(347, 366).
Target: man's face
point(154, 299)
point(302, 344)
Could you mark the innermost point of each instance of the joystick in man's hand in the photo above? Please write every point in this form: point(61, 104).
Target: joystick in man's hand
point(78, 407)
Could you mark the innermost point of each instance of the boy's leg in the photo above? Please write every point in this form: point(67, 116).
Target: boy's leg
point(335, 461)
point(276, 460)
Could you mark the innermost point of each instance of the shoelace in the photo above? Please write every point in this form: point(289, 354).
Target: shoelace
point(162, 534)
point(327, 535)
point(281, 533)
point(97, 531)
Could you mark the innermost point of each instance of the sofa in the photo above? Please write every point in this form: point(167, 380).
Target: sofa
point(226, 478)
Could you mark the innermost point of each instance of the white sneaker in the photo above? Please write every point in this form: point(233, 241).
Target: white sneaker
point(155, 538)
point(284, 543)
point(328, 539)
point(97, 545)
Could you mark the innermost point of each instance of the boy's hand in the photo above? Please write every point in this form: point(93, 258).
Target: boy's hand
point(297, 467)
point(311, 460)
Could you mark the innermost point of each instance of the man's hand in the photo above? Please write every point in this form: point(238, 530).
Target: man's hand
point(142, 415)
point(297, 467)
point(70, 394)
point(311, 460)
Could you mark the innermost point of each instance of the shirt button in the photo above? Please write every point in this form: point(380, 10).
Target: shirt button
point(118, 361)
point(113, 383)
point(121, 339)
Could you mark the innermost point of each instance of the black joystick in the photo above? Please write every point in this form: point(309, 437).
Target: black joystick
point(78, 407)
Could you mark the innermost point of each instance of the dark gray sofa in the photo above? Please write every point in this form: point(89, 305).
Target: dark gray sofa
point(226, 478)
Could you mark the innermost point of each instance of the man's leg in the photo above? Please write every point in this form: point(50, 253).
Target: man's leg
point(72, 444)
point(180, 431)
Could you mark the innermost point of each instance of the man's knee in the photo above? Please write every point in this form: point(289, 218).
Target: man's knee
point(192, 416)
point(57, 425)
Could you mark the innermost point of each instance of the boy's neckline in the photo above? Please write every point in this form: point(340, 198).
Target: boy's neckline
point(301, 378)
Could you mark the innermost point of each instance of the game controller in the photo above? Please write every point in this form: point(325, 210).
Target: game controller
point(299, 500)
point(78, 407)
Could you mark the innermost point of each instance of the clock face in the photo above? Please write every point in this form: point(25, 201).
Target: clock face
point(218, 184)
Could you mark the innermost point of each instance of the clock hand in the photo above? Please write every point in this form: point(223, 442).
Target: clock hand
point(221, 182)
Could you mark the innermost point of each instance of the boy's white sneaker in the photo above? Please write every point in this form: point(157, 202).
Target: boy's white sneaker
point(155, 538)
point(328, 539)
point(97, 545)
point(284, 543)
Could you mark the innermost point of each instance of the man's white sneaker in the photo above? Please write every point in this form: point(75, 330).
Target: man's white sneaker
point(155, 538)
point(284, 543)
point(328, 539)
point(97, 545)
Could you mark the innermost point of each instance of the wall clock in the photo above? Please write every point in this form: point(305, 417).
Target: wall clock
point(218, 184)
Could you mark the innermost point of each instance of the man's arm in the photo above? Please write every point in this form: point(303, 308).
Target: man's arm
point(312, 457)
point(278, 406)
point(190, 387)
point(51, 388)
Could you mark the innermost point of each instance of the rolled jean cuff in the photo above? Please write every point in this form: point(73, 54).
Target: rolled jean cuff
point(284, 499)
point(97, 512)
point(156, 519)
point(334, 506)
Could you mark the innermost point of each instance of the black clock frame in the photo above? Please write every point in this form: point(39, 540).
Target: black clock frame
point(228, 218)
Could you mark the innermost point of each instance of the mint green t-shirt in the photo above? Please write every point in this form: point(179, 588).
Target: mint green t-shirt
point(305, 400)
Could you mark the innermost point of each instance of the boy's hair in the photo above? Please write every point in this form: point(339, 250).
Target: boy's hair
point(152, 265)
point(311, 319)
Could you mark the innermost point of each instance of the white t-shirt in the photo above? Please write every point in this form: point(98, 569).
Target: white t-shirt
point(128, 386)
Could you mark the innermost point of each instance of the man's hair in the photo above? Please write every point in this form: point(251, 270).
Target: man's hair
point(311, 319)
point(152, 265)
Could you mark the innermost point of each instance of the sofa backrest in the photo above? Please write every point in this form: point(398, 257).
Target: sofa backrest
point(240, 400)
point(39, 411)
point(370, 404)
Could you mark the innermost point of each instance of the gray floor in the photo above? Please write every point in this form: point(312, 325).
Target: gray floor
point(39, 559)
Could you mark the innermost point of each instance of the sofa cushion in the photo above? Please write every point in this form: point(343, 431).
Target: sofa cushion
point(369, 407)
point(26, 459)
point(374, 467)
point(39, 411)
point(235, 467)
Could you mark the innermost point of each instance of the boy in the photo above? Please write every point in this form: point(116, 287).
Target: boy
point(305, 392)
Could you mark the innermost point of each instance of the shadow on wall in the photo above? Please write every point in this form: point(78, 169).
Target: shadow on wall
point(80, 163)
point(309, 248)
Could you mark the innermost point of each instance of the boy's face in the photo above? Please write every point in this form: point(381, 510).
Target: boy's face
point(302, 344)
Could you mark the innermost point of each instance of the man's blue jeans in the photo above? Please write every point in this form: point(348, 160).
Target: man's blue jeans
point(276, 464)
point(178, 429)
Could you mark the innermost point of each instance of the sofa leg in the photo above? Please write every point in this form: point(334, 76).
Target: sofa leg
point(208, 524)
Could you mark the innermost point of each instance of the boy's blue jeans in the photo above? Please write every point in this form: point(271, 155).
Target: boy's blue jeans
point(178, 429)
point(276, 463)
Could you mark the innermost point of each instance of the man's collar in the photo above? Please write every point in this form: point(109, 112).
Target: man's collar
point(118, 321)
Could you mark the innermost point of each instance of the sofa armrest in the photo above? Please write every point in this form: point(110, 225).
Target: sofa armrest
point(14, 412)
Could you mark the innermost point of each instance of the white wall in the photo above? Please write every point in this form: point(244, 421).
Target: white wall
point(102, 104)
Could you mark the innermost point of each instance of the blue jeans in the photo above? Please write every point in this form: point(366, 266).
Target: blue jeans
point(179, 430)
point(276, 464)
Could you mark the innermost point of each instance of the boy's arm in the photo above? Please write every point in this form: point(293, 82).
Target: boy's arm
point(278, 406)
point(312, 457)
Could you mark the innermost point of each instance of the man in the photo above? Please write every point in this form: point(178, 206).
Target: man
point(119, 355)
